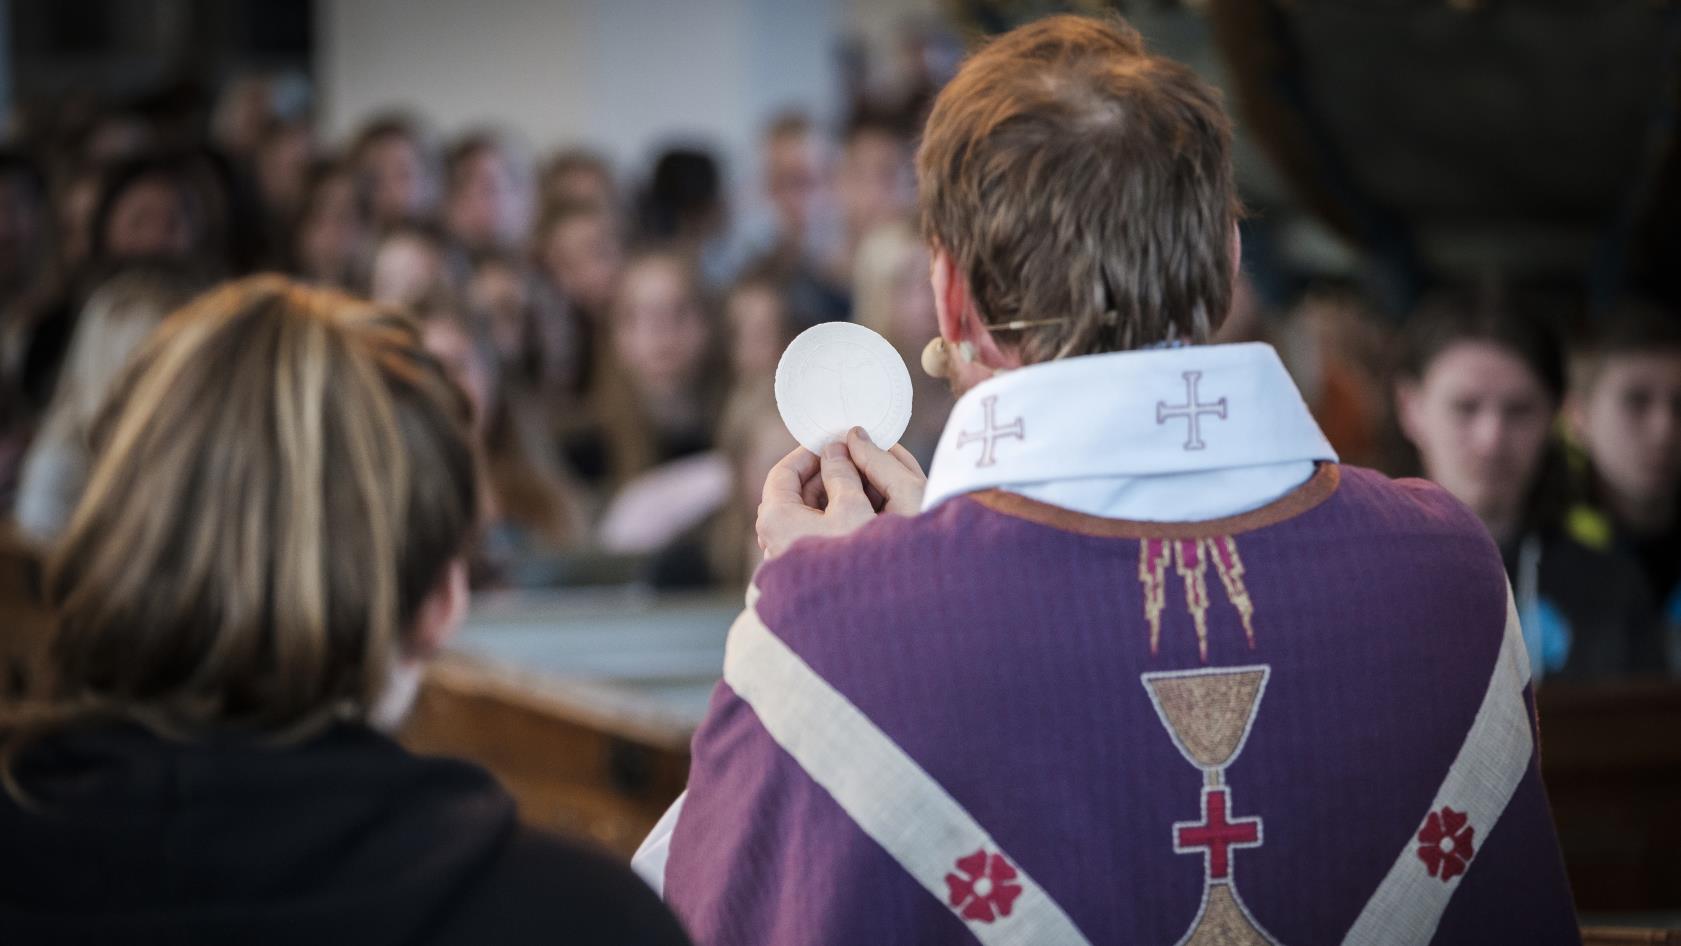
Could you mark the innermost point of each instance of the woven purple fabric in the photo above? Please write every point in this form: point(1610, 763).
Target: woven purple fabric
point(1007, 657)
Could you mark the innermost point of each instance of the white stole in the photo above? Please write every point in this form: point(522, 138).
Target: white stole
point(1174, 434)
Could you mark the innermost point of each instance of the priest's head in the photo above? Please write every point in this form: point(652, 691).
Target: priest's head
point(1078, 195)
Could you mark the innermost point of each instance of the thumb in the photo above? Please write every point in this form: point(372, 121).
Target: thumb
point(840, 477)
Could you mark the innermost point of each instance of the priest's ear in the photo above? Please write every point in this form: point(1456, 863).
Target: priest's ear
point(951, 294)
point(960, 323)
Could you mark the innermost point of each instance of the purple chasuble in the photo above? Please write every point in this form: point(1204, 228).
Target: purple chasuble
point(1002, 721)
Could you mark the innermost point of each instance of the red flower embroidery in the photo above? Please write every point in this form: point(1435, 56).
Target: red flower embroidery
point(984, 892)
point(1446, 843)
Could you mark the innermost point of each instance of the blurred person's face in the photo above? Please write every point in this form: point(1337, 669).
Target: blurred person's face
point(332, 233)
point(405, 270)
point(80, 201)
point(20, 224)
point(246, 108)
point(1480, 419)
point(116, 139)
point(660, 333)
point(755, 318)
point(580, 185)
point(770, 443)
point(487, 203)
point(464, 364)
point(283, 167)
point(875, 181)
point(149, 219)
point(584, 256)
point(1630, 423)
point(794, 179)
point(499, 295)
point(397, 170)
point(915, 320)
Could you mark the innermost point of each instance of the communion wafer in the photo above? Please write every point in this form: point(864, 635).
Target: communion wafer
point(837, 376)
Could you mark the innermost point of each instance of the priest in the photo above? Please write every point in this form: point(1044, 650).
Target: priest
point(1139, 662)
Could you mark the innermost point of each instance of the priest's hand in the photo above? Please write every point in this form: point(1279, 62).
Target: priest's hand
point(833, 495)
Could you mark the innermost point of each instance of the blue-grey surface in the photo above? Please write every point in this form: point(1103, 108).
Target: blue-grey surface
point(624, 648)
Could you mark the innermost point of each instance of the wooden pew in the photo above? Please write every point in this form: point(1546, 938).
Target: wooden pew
point(1623, 936)
point(582, 703)
point(1611, 758)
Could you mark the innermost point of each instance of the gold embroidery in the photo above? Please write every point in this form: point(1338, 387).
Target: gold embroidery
point(1224, 922)
point(1193, 568)
point(1208, 713)
point(1190, 558)
point(1152, 574)
point(1230, 568)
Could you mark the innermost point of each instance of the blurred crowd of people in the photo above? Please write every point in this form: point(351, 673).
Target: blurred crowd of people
point(618, 337)
point(1559, 427)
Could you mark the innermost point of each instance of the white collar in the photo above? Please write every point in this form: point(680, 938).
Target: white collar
point(1124, 415)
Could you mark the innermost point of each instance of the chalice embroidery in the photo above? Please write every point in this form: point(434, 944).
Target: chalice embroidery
point(1208, 713)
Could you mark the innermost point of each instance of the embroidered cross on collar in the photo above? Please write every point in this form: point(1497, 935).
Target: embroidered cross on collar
point(991, 433)
point(1192, 410)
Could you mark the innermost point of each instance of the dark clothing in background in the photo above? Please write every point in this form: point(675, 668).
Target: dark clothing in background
point(345, 839)
point(588, 452)
point(1610, 626)
point(1660, 560)
point(686, 563)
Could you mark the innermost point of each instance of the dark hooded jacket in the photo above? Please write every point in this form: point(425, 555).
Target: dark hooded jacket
point(348, 838)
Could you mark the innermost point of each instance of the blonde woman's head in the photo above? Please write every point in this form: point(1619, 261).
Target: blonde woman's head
point(273, 525)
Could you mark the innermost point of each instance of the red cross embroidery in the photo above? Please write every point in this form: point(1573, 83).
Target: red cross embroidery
point(1216, 835)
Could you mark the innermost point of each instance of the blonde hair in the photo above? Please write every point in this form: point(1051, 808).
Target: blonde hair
point(283, 476)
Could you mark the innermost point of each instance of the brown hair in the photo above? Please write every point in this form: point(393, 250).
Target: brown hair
point(630, 431)
point(748, 414)
point(523, 481)
point(556, 214)
point(1074, 176)
point(792, 123)
point(283, 475)
point(384, 126)
point(570, 161)
point(1526, 324)
point(1630, 327)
